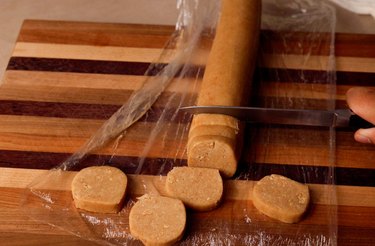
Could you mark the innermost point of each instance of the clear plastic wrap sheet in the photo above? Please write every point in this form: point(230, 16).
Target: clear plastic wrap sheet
point(295, 70)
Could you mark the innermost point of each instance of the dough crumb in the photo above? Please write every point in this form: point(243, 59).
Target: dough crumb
point(99, 189)
point(198, 188)
point(281, 198)
point(162, 224)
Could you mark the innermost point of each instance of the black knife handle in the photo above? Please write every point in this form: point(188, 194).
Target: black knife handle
point(356, 122)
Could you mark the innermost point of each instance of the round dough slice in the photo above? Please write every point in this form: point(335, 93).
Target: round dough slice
point(214, 151)
point(198, 188)
point(281, 198)
point(99, 189)
point(157, 220)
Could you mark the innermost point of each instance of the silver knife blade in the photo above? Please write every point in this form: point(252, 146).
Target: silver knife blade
point(334, 118)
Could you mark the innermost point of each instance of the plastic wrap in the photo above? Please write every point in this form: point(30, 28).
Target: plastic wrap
point(295, 70)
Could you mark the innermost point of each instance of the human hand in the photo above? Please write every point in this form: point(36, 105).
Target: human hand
point(361, 101)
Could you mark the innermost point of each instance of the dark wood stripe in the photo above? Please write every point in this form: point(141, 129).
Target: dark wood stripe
point(104, 111)
point(294, 76)
point(309, 174)
point(161, 166)
point(55, 109)
point(274, 42)
point(78, 66)
point(140, 68)
point(355, 45)
point(83, 111)
point(314, 76)
point(128, 164)
point(298, 103)
point(356, 235)
point(95, 67)
point(355, 78)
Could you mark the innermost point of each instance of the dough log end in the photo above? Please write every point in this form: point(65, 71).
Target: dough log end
point(213, 152)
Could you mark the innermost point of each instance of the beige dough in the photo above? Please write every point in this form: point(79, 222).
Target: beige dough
point(99, 189)
point(157, 220)
point(226, 82)
point(281, 198)
point(198, 188)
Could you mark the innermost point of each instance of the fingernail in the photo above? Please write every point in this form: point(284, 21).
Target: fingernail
point(363, 139)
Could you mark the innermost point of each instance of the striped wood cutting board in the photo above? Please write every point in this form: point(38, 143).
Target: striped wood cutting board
point(65, 78)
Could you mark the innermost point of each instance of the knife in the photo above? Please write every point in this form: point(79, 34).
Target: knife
point(302, 117)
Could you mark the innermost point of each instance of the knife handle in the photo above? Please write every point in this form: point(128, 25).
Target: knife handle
point(356, 122)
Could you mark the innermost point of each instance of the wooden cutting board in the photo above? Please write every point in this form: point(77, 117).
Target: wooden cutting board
point(65, 78)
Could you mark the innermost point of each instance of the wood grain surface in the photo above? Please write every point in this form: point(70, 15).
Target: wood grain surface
point(66, 78)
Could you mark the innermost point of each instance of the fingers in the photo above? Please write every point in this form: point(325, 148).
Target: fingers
point(361, 101)
point(366, 136)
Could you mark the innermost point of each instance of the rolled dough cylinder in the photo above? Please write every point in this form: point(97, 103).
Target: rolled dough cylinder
point(198, 188)
point(99, 189)
point(226, 82)
point(281, 198)
point(157, 220)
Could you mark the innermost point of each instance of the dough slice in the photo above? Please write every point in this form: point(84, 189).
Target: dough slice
point(198, 188)
point(157, 220)
point(99, 189)
point(214, 151)
point(281, 198)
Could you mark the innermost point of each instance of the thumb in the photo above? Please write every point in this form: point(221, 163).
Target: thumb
point(361, 101)
point(365, 135)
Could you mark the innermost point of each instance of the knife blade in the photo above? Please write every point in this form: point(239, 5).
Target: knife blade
point(302, 117)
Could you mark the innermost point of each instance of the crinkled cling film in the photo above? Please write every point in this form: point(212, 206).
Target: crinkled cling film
point(147, 136)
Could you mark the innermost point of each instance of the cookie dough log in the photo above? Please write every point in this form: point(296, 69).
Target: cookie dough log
point(281, 198)
point(198, 188)
point(99, 189)
point(157, 220)
point(215, 140)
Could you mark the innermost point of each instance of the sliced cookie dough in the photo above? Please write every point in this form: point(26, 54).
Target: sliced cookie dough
point(99, 189)
point(281, 198)
point(198, 188)
point(157, 220)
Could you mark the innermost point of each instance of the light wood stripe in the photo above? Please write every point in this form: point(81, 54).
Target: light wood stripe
point(71, 144)
point(21, 78)
point(314, 156)
point(113, 34)
point(63, 94)
point(235, 189)
point(67, 127)
point(131, 82)
point(89, 52)
point(355, 64)
point(103, 53)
